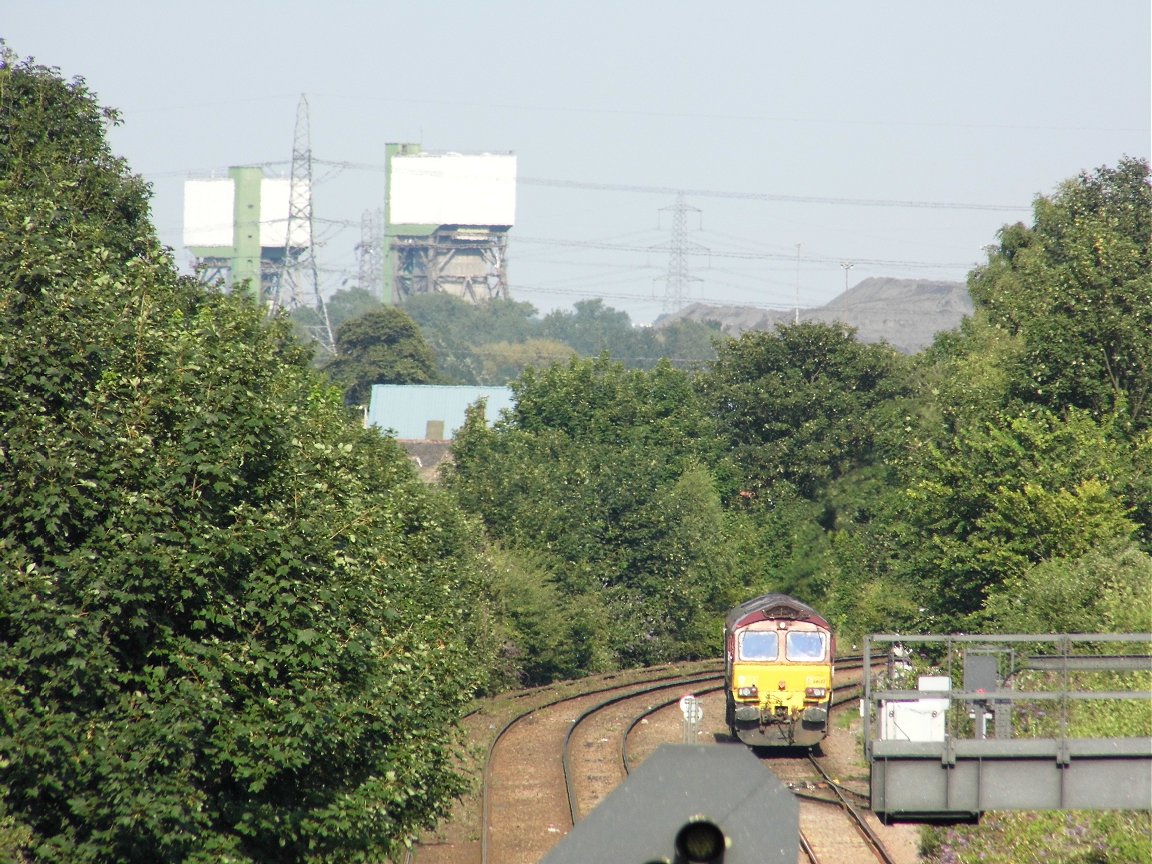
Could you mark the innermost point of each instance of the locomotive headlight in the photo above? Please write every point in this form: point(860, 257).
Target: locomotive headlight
point(748, 692)
point(815, 693)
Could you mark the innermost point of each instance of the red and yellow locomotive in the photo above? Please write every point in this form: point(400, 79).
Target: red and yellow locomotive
point(778, 672)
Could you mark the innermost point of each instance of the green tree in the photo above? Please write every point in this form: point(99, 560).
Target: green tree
point(380, 347)
point(349, 303)
point(233, 625)
point(1076, 289)
point(1007, 493)
point(504, 361)
point(1030, 446)
point(611, 481)
point(592, 329)
point(1106, 589)
point(685, 344)
point(799, 405)
point(344, 305)
point(456, 329)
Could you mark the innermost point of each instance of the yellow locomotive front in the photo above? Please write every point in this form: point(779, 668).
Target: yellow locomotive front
point(779, 673)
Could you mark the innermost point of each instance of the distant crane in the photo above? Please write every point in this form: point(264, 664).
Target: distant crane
point(299, 284)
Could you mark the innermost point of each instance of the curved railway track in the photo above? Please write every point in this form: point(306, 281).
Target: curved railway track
point(556, 753)
point(531, 820)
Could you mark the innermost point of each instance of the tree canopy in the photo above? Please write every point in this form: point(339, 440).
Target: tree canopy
point(1031, 448)
point(606, 480)
point(383, 346)
point(1075, 289)
point(233, 625)
point(493, 342)
point(799, 404)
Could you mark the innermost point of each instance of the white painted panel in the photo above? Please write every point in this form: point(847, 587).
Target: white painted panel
point(922, 720)
point(208, 212)
point(453, 189)
point(275, 196)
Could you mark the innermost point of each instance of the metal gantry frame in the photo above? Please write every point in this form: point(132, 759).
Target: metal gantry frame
point(964, 770)
point(466, 262)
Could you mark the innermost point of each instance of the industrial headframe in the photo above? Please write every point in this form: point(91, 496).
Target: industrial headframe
point(236, 229)
point(447, 217)
point(445, 220)
point(252, 230)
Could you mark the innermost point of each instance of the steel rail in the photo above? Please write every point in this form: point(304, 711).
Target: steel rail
point(520, 694)
point(625, 759)
point(807, 849)
point(676, 679)
point(569, 779)
point(865, 830)
point(850, 662)
point(485, 807)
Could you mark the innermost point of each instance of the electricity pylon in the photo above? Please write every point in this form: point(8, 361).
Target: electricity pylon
point(679, 248)
point(370, 253)
point(300, 278)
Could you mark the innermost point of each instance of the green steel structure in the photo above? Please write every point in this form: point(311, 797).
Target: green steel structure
point(243, 262)
point(392, 232)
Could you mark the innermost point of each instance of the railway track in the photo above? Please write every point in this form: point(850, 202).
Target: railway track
point(859, 822)
point(532, 815)
point(594, 763)
point(467, 836)
point(556, 752)
point(834, 821)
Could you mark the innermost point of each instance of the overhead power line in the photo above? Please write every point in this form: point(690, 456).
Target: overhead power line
point(767, 196)
point(770, 256)
point(716, 193)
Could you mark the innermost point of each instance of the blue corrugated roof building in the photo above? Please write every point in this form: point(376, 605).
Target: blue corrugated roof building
point(426, 412)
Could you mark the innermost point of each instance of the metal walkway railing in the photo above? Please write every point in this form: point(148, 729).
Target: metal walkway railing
point(1037, 722)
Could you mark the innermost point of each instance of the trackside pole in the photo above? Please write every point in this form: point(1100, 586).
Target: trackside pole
point(693, 713)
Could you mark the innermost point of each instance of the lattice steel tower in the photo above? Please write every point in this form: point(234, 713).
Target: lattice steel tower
point(300, 280)
point(679, 248)
point(370, 253)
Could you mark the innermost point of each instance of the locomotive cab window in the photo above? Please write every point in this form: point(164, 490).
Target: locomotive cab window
point(804, 646)
point(759, 645)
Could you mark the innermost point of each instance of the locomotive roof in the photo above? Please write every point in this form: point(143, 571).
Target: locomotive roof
point(769, 606)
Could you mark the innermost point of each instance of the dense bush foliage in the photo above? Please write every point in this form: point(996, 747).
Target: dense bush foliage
point(233, 627)
point(1031, 445)
point(383, 346)
point(1075, 293)
point(605, 479)
point(799, 406)
point(1046, 837)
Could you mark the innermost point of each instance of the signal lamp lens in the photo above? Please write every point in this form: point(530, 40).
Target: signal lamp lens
point(700, 842)
point(816, 692)
point(748, 692)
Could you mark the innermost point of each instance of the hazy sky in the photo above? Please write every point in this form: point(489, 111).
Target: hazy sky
point(854, 129)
